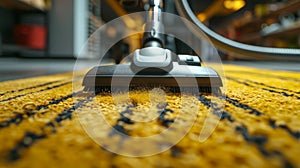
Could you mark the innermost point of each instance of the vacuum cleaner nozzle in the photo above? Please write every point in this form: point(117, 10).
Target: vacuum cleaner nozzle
point(107, 78)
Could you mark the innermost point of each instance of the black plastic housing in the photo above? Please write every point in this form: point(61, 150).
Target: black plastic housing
point(181, 76)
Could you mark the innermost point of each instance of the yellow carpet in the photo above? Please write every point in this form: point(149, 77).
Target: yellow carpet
point(259, 126)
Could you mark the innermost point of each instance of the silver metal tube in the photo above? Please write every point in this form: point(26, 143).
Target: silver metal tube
point(154, 28)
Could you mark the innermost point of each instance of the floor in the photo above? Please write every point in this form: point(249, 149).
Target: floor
point(276, 65)
point(49, 121)
point(16, 68)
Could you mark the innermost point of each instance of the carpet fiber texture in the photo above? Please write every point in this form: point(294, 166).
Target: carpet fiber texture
point(255, 123)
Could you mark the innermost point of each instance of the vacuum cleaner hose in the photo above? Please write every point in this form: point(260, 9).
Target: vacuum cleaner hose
point(228, 45)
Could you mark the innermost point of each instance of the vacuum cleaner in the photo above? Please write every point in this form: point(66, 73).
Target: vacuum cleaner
point(155, 66)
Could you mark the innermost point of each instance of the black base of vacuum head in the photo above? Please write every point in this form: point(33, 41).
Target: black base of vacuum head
point(106, 78)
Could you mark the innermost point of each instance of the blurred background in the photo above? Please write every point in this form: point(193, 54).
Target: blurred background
point(40, 37)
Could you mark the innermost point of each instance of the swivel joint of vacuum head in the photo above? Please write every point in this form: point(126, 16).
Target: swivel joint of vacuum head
point(152, 60)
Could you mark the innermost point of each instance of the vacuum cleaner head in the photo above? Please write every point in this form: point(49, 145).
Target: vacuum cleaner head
point(181, 77)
